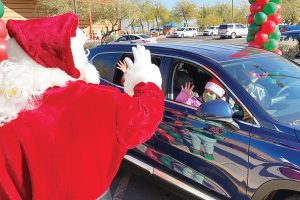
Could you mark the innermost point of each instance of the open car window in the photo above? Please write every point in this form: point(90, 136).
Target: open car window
point(184, 72)
point(119, 74)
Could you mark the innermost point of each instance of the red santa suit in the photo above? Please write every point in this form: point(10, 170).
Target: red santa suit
point(70, 143)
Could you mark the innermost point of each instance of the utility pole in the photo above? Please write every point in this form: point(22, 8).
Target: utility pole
point(232, 11)
point(74, 6)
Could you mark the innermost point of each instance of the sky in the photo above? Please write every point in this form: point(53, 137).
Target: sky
point(170, 3)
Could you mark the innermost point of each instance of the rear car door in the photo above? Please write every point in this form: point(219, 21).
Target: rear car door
point(106, 63)
point(209, 156)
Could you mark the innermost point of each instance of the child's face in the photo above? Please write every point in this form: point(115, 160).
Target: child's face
point(209, 95)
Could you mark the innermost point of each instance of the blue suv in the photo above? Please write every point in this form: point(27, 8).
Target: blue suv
point(243, 147)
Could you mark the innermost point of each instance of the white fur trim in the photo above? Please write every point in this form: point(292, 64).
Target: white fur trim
point(88, 72)
point(215, 88)
point(141, 71)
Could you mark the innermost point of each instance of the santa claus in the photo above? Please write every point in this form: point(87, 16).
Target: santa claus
point(62, 135)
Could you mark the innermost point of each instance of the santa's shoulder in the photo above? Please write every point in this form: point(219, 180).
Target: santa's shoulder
point(82, 89)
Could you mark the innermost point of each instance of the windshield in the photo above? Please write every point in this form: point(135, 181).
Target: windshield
point(181, 29)
point(273, 82)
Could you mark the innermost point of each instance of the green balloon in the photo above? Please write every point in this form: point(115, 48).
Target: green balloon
point(270, 8)
point(1, 9)
point(276, 1)
point(251, 1)
point(276, 35)
point(253, 28)
point(271, 45)
point(250, 38)
point(260, 18)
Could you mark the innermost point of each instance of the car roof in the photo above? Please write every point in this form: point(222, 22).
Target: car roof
point(233, 24)
point(219, 53)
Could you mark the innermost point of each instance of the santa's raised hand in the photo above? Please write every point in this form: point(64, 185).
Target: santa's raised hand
point(142, 70)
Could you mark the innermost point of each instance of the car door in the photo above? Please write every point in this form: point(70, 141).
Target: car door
point(106, 64)
point(242, 30)
point(208, 154)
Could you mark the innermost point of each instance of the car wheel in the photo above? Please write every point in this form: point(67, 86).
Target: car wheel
point(211, 34)
point(182, 36)
point(233, 35)
point(293, 197)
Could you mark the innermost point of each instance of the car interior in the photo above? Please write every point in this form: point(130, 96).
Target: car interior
point(119, 74)
point(184, 72)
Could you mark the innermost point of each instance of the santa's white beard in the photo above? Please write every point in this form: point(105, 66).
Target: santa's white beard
point(30, 80)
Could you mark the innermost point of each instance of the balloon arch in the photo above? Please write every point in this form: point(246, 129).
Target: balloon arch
point(264, 20)
point(3, 34)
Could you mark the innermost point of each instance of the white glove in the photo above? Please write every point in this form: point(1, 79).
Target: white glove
point(142, 70)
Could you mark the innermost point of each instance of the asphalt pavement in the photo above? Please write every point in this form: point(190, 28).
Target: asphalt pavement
point(132, 186)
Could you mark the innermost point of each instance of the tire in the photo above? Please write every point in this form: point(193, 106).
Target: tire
point(182, 36)
point(233, 35)
point(293, 197)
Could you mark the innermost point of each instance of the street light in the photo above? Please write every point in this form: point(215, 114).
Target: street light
point(74, 6)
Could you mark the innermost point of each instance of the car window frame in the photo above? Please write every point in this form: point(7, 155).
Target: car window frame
point(213, 74)
point(161, 67)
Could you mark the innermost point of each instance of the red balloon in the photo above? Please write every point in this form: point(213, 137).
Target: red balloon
point(279, 8)
point(3, 30)
point(250, 18)
point(261, 38)
point(278, 51)
point(256, 7)
point(262, 2)
point(275, 18)
point(3, 49)
point(268, 27)
point(255, 45)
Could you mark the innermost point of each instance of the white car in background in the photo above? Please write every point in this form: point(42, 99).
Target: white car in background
point(155, 31)
point(232, 30)
point(211, 30)
point(185, 32)
point(135, 38)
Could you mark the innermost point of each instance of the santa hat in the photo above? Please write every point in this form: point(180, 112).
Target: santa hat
point(47, 40)
point(215, 86)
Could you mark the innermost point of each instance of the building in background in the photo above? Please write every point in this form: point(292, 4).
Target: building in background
point(26, 9)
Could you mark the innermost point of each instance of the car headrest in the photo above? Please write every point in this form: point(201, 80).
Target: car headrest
point(181, 77)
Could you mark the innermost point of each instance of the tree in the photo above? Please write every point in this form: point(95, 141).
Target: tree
point(149, 13)
point(54, 7)
point(221, 13)
point(240, 13)
point(186, 10)
point(112, 12)
point(291, 10)
point(161, 13)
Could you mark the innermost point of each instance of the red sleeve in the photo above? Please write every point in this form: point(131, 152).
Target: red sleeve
point(13, 171)
point(139, 116)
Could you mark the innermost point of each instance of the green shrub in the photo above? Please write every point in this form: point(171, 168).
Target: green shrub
point(289, 48)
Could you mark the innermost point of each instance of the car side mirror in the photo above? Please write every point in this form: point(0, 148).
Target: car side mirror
point(219, 111)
